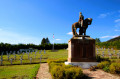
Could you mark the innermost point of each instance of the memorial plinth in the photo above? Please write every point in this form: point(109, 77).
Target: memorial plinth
point(81, 49)
point(81, 52)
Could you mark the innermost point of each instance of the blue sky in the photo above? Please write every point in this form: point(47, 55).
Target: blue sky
point(28, 21)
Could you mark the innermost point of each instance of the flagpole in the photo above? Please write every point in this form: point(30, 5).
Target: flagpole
point(53, 41)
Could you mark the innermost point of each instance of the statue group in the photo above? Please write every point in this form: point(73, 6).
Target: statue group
point(82, 25)
point(81, 47)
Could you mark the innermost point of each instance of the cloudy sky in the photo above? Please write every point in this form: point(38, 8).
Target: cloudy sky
point(28, 21)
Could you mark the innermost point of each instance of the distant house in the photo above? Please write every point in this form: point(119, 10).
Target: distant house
point(27, 50)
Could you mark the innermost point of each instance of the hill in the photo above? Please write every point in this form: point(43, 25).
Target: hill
point(114, 39)
point(112, 43)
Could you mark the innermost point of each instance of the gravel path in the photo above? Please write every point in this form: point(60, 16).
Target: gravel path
point(43, 72)
point(99, 74)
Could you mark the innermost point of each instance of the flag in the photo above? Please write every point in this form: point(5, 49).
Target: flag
point(53, 36)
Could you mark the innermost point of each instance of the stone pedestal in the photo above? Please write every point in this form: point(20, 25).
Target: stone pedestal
point(81, 49)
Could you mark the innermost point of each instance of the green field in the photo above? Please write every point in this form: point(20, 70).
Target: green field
point(19, 71)
point(27, 70)
point(61, 54)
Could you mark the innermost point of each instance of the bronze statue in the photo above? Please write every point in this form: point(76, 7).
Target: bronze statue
point(81, 24)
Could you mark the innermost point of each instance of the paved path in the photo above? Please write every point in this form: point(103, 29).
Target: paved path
point(43, 72)
point(99, 74)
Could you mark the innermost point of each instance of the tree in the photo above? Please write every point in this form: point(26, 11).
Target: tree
point(97, 40)
point(47, 41)
point(43, 41)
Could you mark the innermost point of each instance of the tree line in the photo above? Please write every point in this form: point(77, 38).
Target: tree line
point(16, 47)
point(108, 44)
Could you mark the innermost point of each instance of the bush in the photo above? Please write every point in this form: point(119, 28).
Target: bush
point(73, 73)
point(68, 72)
point(103, 64)
point(59, 70)
point(106, 68)
point(98, 58)
point(115, 68)
point(51, 65)
point(93, 68)
point(56, 60)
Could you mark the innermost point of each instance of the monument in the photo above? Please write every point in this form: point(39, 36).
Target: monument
point(81, 48)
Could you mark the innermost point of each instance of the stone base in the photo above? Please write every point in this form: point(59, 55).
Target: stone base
point(81, 49)
point(84, 65)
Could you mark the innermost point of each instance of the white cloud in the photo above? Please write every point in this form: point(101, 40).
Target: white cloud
point(117, 24)
point(104, 36)
point(109, 36)
point(117, 20)
point(114, 36)
point(58, 39)
point(15, 38)
point(117, 30)
point(69, 33)
point(102, 15)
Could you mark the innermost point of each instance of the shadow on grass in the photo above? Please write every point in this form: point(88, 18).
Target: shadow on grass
point(54, 51)
point(23, 64)
point(87, 77)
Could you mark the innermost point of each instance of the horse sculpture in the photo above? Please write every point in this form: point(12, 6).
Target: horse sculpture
point(82, 28)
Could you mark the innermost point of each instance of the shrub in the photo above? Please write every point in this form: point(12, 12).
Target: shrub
point(93, 68)
point(63, 72)
point(106, 68)
point(51, 65)
point(115, 68)
point(73, 73)
point(98, 58)
point(103, 64)
point(56, 60)
point(57, 72)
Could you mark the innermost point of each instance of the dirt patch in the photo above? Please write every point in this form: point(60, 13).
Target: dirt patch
point(99, 74)
point(43, 72)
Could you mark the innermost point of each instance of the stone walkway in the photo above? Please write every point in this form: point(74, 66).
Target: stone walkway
point(99, 74)
point(43, 72)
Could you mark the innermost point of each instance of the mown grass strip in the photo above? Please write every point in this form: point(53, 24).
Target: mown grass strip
point(19, 71)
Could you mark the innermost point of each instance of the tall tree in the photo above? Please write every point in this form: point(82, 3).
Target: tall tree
point(47, 41)
point(97, 40)
point(43, 41)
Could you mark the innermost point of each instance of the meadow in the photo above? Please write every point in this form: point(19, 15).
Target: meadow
point(27, 70)
point(19, 71)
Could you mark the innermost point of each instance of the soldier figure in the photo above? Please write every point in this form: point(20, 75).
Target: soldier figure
point(81, 24)
point(81, 20)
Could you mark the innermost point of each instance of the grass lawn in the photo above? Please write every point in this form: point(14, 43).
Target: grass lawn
point(27, 70)
point(60, 54)
point(19, 71)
